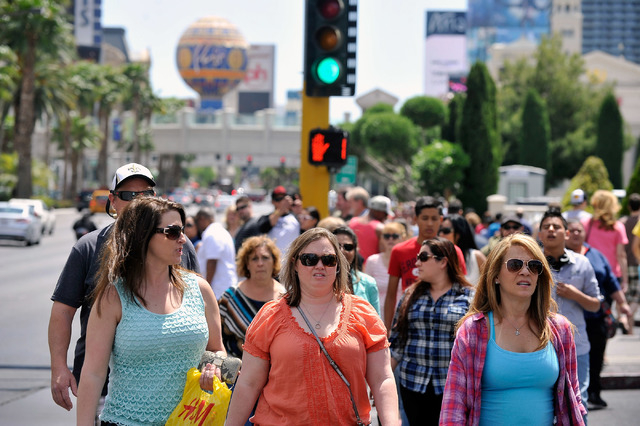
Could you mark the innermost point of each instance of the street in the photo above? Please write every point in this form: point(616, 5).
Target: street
point(27, 279)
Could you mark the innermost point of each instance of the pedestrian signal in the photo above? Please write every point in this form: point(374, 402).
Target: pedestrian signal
point(328, 147)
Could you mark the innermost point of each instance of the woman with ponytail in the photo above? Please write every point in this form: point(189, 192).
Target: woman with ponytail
point(424, 329)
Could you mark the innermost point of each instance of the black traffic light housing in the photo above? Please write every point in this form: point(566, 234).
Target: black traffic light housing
point(330, 47)
point(328, 147)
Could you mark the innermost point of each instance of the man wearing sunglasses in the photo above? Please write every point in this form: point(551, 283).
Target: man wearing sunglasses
point(76, 283)
point(281, 226)
point(509, 225)
point(576, 288)
point(249, 228)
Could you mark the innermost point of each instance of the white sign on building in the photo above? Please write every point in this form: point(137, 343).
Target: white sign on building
point(445, 50)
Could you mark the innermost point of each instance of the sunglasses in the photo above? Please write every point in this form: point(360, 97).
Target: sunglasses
point(311, 259)
point(534, 266)
point(510, 227)
point(173, 232)
point(445, 230)
point(390, 236)
point(238, 208)
point(130, 195)
point(424, 256)
point(278, 199)
point(347, 247)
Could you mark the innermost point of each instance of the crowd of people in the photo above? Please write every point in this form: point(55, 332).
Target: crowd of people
point(433, 314)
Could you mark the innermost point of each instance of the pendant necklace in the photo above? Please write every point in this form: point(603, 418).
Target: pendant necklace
point(517, 328)
point(317, 325)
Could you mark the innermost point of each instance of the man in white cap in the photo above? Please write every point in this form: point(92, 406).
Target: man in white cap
point(369, 227)
point(77, 281)
point(579, 203)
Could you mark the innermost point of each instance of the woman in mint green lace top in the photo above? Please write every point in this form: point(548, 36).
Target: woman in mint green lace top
point(152, 320)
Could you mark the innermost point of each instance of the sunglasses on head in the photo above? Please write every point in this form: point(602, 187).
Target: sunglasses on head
point(446, 230)
point(534, 266)
point(311, 259)
point(424, 256)
point(130, 195)
point(173, 232)
point(393, 236)
point(347, 247)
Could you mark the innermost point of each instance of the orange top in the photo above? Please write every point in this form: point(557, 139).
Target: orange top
point(302, 387)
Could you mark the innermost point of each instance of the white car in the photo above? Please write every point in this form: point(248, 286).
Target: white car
point(19, 222)
point(46, 215)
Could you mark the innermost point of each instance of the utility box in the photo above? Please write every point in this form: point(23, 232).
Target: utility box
point(519, 183)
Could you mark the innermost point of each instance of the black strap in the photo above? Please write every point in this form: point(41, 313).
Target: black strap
point(334, 365)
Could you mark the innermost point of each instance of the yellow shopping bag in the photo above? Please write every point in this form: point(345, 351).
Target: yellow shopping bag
point(198, 407)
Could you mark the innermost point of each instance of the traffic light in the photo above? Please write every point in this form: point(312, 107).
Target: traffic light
point(330, 47)
point(328, 147)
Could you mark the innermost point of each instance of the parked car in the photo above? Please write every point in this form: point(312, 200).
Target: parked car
point(99, 200)
point(19, 222)
point(83, 199)
point(46, 214)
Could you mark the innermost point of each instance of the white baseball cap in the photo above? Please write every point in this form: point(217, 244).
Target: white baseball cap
point(577, 197)
point(131, 170)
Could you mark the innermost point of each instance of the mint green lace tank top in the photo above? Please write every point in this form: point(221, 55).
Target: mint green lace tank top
point(150, 358)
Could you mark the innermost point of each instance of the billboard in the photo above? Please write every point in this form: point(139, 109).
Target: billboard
point(504, 21)
point(445, 50)
point(87, 22)
point(256, 89)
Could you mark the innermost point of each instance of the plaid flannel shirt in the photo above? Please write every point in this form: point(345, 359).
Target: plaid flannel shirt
point(426, 354)
point(462, 398)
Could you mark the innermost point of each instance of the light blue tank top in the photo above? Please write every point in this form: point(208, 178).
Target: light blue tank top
point(150, 358)
point(517, 388)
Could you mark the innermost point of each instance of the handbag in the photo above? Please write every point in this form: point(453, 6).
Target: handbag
point(335, 367)
point(610, 322)
point(199, 407)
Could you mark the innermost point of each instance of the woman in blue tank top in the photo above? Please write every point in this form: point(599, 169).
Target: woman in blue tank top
point(513, 359)
point(151, 323)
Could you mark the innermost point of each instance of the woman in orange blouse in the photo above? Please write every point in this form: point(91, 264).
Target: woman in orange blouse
point(284, 368)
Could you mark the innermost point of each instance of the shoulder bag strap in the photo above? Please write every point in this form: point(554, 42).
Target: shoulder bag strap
point(333, 364)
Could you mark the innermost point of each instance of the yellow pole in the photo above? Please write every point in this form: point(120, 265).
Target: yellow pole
point(314, 180)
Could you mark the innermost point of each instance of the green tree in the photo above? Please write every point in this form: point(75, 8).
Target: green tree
point(632, 187)
point(451, 130)
point(479, 139)
point(424, 111)
point(533, 149)
point(438, 168)
point(137, 81)
point(591, 177)
point(610, 140)
point(30, 27)
point(9, 79)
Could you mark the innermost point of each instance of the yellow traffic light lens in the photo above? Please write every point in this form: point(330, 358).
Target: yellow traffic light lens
point(328, 38)
point(328, 70)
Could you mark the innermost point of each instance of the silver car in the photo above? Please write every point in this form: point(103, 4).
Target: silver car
point(19, 222)
point(47, 216)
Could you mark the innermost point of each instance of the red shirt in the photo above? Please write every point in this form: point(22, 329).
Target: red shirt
point(403, 261)
point(368, 241)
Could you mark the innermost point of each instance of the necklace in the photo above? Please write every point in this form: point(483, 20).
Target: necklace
point(317, 325)
point(517, 328)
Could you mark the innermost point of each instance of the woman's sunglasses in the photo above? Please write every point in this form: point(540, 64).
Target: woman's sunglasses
point(424, 256)
point(391, 236)
point(173, 232)
point(445, 230)
point(347, 247)
point(534, 266)
point(130, 195)
point(311, 259)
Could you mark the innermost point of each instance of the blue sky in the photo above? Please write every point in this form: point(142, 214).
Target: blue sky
point(390, 40)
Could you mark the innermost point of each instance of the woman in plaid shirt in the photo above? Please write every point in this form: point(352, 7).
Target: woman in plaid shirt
point(424, 329)
point(511, 347)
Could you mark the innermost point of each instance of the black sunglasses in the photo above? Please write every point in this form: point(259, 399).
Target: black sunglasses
point(390, 236)
point(279, 198)
point(311, 259)
point(173, 232)
point(424, 256)
point(534, 266)
point(510, 227)
point(347, 247)
point(238, 208)
point(130, 195)
point(446, 230)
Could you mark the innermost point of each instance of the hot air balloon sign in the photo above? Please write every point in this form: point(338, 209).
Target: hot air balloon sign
point(212, 59)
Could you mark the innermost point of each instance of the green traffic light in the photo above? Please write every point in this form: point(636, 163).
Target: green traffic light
point(328, 70)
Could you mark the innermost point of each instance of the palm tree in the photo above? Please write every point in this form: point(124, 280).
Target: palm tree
point(30, 27)
point(137, 80)
point(109, 95)
point(9, 78)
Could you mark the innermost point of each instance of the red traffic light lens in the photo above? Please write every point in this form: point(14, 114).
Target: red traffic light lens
point(328, 38)
point(330, 9)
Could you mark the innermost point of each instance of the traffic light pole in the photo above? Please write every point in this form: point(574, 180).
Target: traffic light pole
point(314, 180)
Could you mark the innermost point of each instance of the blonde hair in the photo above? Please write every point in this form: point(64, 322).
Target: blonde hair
point(487, 297)
point(395, 227)
point(330, 223)
point(605, 208)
